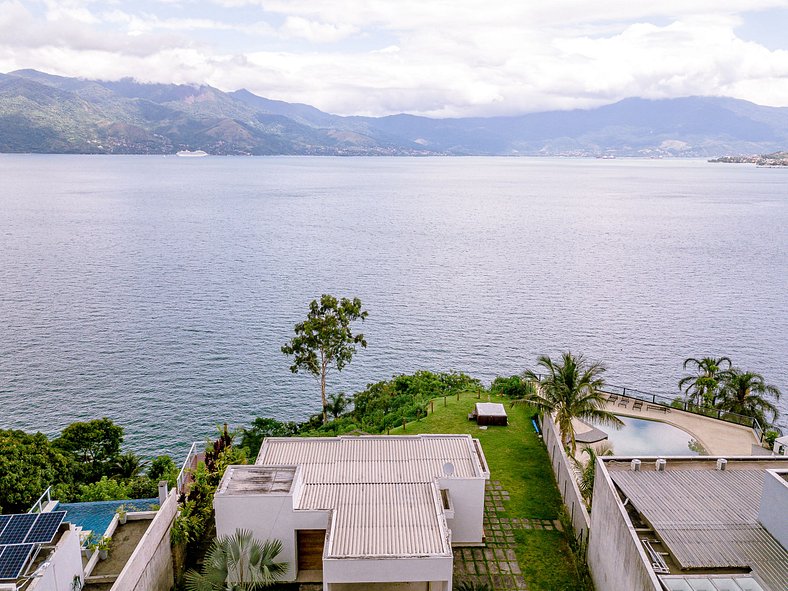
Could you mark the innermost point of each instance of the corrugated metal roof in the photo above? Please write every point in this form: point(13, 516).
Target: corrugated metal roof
point(381, 488)
point(375, 520)
point(708, 519)
point(374, 459)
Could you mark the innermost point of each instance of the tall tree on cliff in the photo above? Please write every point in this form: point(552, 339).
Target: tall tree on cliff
point(325, 340)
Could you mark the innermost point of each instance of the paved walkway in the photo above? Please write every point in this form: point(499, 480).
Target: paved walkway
point(496, 564)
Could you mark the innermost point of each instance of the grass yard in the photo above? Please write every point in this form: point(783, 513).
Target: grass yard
point(518, 460)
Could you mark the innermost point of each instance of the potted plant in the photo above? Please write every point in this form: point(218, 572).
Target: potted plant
point(122, 514)
point(91, 545)
point(103, 547)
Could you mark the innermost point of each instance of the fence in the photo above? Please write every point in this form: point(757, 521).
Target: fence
point(678, 403)
point(42, 501)
point(567, 484)
point(183, 475)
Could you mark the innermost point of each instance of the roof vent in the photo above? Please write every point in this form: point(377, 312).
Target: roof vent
point(634, 465)
point(722, 463)
point(660, 464)
point(448, 469)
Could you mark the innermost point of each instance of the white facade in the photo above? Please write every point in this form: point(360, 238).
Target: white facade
point(384, 510)
point(781, 446)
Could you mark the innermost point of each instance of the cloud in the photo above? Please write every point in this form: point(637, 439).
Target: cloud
point(441, 58)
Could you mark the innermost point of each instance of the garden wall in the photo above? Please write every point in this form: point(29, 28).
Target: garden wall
point(567, 485)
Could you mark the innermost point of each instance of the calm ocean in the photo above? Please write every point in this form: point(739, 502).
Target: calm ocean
point(158, 290)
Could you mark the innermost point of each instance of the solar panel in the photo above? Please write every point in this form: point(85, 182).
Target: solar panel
point(17, 528)
point(45, 527)
point(4, 519)
point(13, 560)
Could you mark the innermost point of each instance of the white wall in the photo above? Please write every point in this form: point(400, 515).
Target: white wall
point(467, 495)
point(395, 570)
point(615, 555)
point(565, 479)
point(773, 511)
point(149, 567)
point(268, 517)
point(65, 563)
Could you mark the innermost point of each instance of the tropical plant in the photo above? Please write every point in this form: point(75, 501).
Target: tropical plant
point(701, 387)
point(745, 393)
point(337, 404)
point(94, 445)
point(128, 465)
point(238, 562)
point(570, 389)
point(513, 387)
point(586, 472)
point(325, 339)
point(472, 586)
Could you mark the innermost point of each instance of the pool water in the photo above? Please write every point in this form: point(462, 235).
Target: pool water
point(650, 438)
point(97, 515)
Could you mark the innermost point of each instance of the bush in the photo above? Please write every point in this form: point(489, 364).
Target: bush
point(769, 437)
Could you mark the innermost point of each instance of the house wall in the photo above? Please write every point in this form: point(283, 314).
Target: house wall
point(615, 555)
point(388, 570)
point(467, 495)
point(267, 517)
point(419, 586)
point(65, 563)
point(149, 567)
point(772, 512)
point(565, 478)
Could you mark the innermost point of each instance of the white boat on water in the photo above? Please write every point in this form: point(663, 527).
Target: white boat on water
point(190, 154)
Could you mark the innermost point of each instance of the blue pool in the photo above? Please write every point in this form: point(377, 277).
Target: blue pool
point(97, 515)
point(651, 438)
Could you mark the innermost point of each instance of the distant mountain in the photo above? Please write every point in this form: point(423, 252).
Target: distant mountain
point(40, 112)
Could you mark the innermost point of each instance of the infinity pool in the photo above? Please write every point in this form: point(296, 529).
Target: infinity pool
point(651, 438)
point(97, 515)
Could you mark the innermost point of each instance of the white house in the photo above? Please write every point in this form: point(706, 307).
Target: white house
point(372, 512)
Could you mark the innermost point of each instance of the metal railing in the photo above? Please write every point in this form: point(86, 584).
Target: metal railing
point(39, 505)
point(183, 475)
point(679, 404)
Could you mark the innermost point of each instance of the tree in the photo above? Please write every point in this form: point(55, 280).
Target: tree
point(701, 387)
point(744, 393)
point(163, 468)
point(571, 389)
point(94, 444)
point(238, 562)
point(586, 473)
point(28, 465)
point(325, 339)
point(128, 465)
point(262, 427)
point(337, 404)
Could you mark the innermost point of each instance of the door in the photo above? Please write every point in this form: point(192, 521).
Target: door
point(310, 544)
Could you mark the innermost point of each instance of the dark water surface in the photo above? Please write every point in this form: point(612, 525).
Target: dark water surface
point(157, 291)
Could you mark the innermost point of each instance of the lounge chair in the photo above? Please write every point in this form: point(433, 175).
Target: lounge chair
point(624, 402)
point(612, 398)
point(637, 405)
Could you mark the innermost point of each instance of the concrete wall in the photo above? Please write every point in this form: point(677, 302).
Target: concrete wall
point(65, 563)
point(150, 566)
point(773, 511)
point(467, 496)
point(565, 477)
point(268, 517)
point(615, 555)
point(396, 570)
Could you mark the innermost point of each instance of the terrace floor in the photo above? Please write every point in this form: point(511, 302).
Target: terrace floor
point(718, 438)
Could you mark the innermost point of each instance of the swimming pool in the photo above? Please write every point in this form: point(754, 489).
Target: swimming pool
point(97, 515)
point(650, 438)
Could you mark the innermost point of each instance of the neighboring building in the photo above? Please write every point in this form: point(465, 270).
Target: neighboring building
point(781, 446)
point(690, 524)
point(361, 513)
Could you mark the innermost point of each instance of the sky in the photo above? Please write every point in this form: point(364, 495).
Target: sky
point(439, 58)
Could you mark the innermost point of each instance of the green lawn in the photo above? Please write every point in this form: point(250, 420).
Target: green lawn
point(518, 460)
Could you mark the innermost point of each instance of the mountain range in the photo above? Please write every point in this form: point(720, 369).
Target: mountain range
point(43, 113)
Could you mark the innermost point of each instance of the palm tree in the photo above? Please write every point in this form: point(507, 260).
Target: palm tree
point(571, 389)
point(128, 465)
point(587, 472)
point(238, 562)
point(743, 392)
point(337, 404)
point(701, 387)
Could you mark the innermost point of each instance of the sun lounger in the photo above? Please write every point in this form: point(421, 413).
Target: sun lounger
point(612, 398)
point(657, 407)
point(637, 405)
point(624, 402)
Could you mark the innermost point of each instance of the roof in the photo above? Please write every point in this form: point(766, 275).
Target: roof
point(246, 480)
point(382, 490)
point(370, 459)
point(490, 409)
point(707, 518)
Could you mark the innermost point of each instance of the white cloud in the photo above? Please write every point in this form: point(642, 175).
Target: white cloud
point(436, 57)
